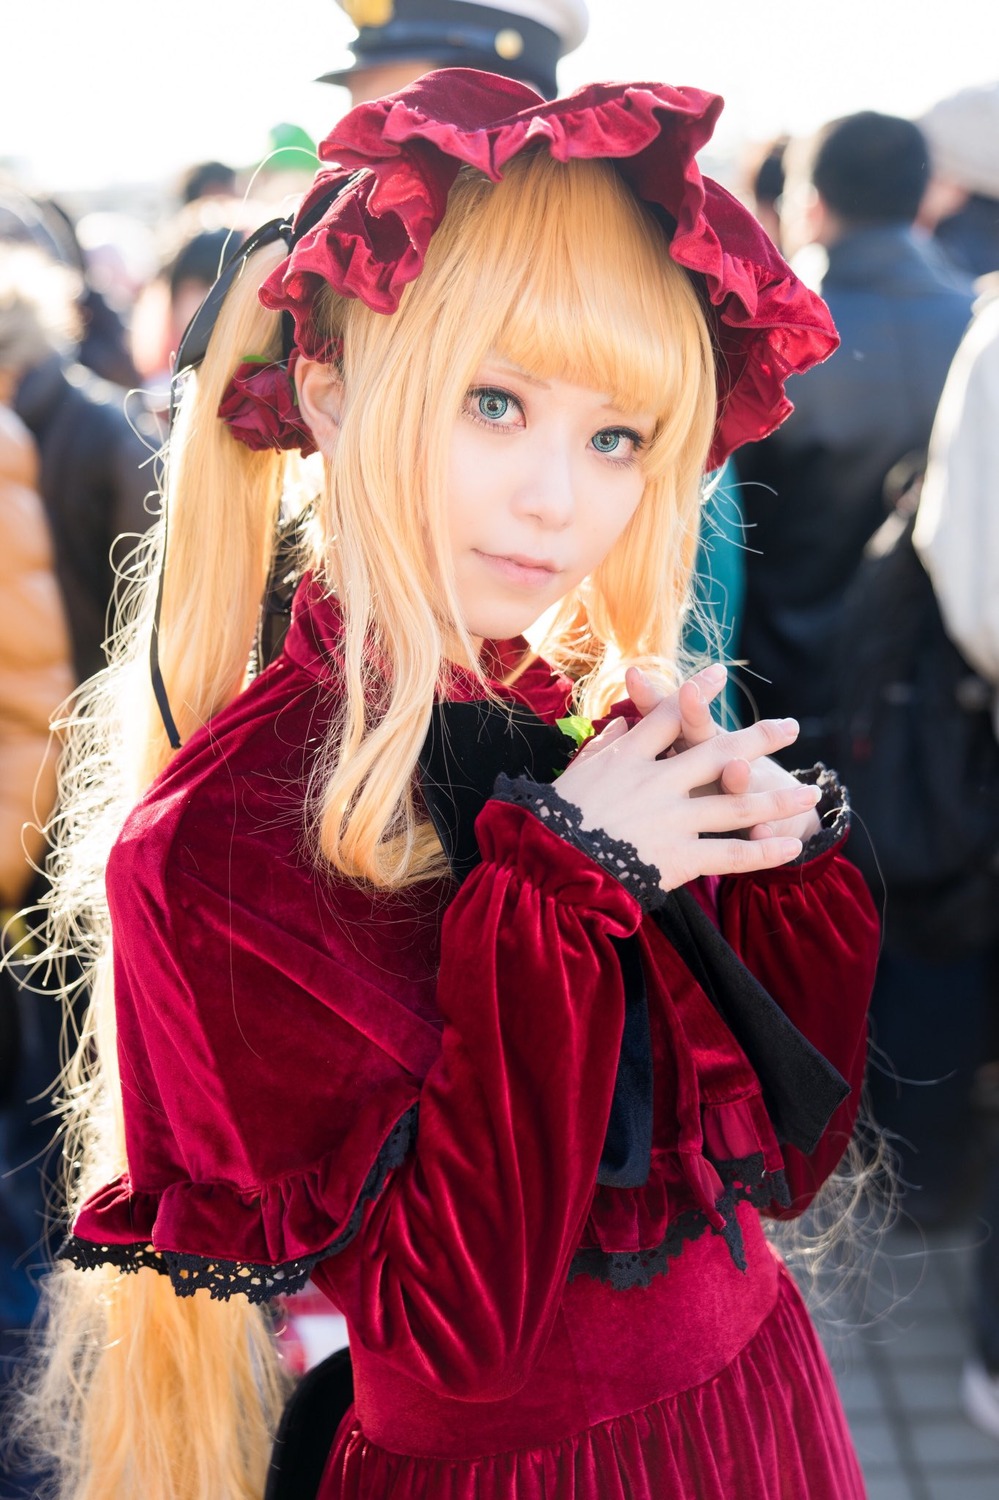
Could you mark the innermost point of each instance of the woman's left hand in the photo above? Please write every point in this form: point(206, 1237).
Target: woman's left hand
point(693, 702)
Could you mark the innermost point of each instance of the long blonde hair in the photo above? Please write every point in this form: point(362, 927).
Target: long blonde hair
point(560, 270)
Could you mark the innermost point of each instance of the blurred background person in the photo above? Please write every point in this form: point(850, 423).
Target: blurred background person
point(35, 676)
point(195, 244)
point(208, 179)
point(395, 43)
point(812, 493)
point(961, 207)
point(102, 339)
point(763, 183)
point(35, 670)
point(92, 478)
point(957, 537)
point(116, 257)
point(814, 497)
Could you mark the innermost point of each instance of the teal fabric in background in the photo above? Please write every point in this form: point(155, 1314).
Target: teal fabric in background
point(719, 590)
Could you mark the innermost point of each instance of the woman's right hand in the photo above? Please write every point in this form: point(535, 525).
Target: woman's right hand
point(620, 785)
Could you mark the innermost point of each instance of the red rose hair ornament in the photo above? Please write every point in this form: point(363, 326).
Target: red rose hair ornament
point(260, 406)
point(365, 226)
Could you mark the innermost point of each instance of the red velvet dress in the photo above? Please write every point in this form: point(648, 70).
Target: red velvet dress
point(407, 1097)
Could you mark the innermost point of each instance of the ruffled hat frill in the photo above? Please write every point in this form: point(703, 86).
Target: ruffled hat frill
point(366, 224)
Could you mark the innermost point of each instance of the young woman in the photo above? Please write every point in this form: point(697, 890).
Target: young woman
point(506, 1048)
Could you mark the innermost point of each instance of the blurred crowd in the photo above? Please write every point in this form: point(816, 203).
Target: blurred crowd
point(870, 609)
point(851, 561)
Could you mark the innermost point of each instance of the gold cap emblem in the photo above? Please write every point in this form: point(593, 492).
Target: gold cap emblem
point(369, 12)
point(509, 44)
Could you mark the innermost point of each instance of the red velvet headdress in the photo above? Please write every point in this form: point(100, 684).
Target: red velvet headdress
point(365, 225)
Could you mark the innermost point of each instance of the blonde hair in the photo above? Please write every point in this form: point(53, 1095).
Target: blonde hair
point(560, 270)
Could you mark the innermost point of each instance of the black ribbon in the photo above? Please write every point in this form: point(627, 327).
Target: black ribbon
point(466, 748)
point(801, 1089)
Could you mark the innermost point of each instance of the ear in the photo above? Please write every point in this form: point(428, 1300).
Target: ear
point(320, 400)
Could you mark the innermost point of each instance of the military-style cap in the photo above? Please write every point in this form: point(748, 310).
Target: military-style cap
point(518, 38)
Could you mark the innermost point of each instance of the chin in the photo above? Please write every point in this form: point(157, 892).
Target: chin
point(499, 625)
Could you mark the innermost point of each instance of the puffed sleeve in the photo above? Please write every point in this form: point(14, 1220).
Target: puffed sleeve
point(810, 934)
point(287, 1114)
point(459, 1270)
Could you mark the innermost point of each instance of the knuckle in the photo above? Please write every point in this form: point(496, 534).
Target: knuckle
point(744, 854)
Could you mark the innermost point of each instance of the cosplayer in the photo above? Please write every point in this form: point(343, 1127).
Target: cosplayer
point(506, 1047)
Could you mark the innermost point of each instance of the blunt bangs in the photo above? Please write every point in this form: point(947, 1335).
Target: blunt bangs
point(585, 291)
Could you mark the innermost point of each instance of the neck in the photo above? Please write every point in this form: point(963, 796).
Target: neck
point(455, 651)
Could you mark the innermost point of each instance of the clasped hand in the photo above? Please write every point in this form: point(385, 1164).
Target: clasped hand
point(711, 782)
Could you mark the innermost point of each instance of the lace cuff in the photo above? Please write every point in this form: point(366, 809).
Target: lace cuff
point(616, 856)
point(833, 809)
point(223, 1277)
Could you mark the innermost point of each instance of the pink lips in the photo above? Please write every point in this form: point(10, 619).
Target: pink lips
point(526, 571)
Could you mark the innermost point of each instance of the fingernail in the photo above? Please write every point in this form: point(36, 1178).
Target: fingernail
point(790, 848)
point(808, 796)
point(789, 726)
point(643, 678)
point(715, 673)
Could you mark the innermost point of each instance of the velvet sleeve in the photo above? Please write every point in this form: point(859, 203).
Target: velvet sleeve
point(810, 934)
point(426, 1146)
point(460, 1266)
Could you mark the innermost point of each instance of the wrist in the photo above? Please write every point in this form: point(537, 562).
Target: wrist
point(619, 858)
point(803, 827)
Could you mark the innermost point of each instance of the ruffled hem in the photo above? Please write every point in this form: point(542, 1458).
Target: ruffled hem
point(744, 1181)
point(769, 1423)
point(105, 1231)
point(366, 225)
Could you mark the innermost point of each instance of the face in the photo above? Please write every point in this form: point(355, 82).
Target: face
point(542, 480)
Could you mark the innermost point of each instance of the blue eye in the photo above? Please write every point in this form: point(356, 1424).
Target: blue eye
point(619, 443)
point(493, 405)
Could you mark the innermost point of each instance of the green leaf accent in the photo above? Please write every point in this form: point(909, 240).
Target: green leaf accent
point(576, 727)
point(257, 359)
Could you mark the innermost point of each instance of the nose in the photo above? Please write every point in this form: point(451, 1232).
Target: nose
point(547, 491)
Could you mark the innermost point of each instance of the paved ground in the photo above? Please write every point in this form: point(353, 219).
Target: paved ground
point(897, 1344)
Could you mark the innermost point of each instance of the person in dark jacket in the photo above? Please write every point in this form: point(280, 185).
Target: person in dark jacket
point(813, 491)
point(94, 455)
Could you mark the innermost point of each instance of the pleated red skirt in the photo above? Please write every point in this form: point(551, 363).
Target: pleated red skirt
point(710, 1384)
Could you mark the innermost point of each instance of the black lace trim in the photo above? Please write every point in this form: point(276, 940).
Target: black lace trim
point(745, 1182)
point(223, 1279)
point(617, 857)
point(833, 809)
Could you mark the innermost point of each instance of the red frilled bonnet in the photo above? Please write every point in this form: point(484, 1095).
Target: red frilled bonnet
point(367, 221)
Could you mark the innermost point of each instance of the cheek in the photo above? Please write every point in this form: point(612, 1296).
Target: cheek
point(468, 484)
point(611, 515)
